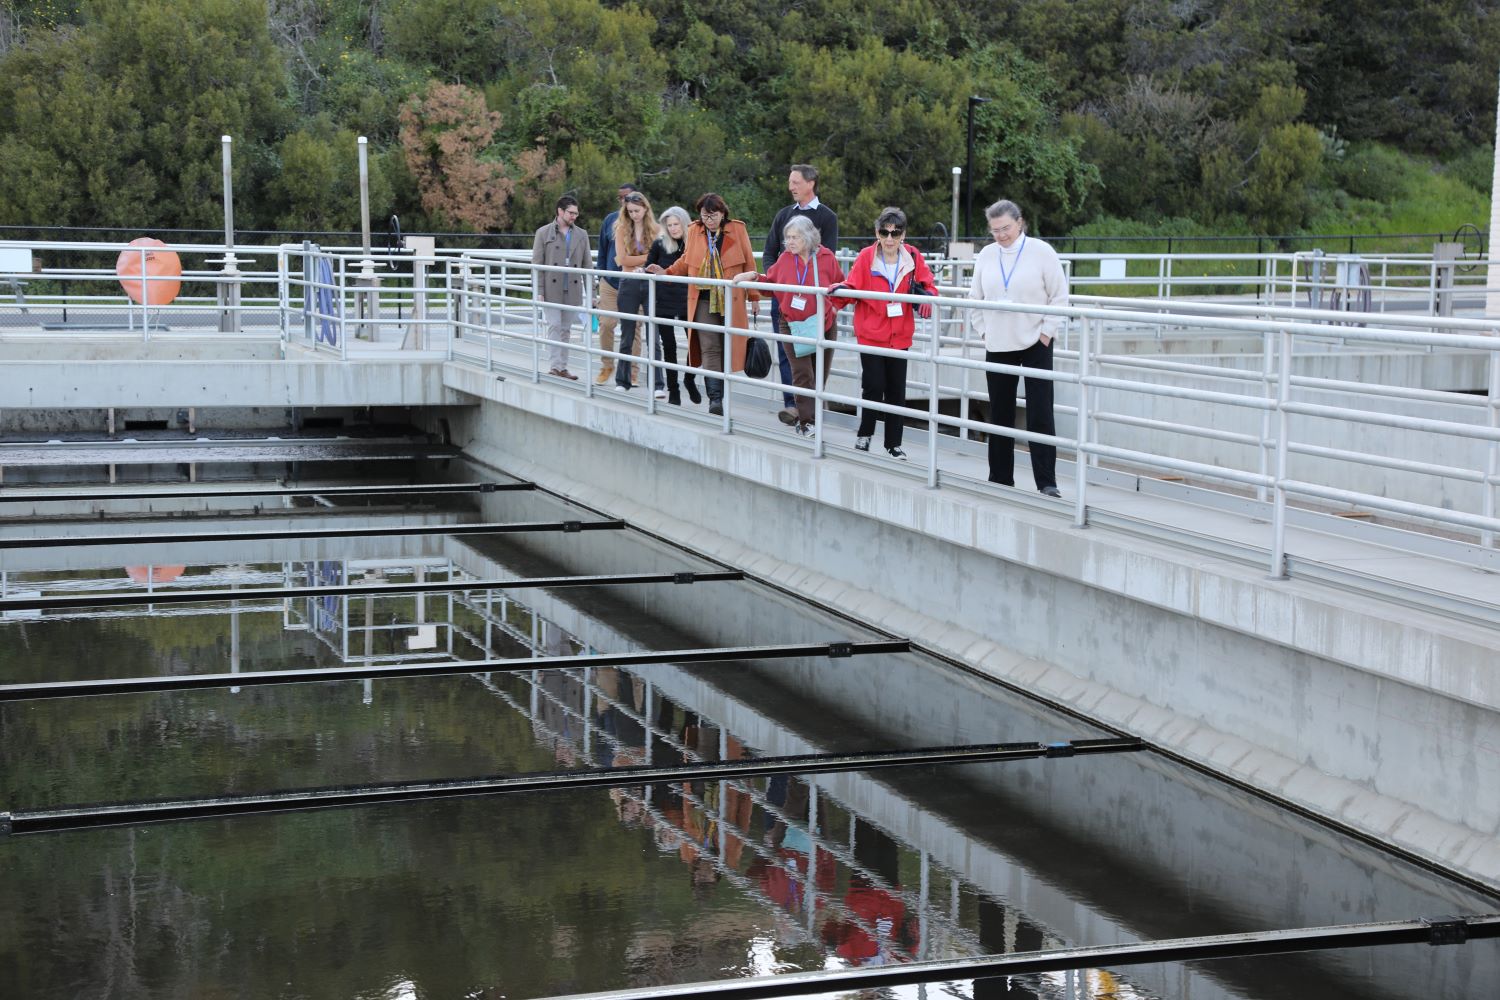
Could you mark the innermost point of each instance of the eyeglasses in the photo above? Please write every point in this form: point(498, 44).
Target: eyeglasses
point(635, 199)
point(890, 232)
point(709, 211)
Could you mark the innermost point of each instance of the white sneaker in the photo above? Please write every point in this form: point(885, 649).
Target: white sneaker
point(897, 454)
point(622, 388)
point(661, 394)
point(803, 430)
point(862, 444)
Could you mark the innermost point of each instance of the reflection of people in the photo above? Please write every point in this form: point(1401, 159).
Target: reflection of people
point(717, 247)
point(560, 243)
point(890, 265)
point(808, 263)
point(1018, 269)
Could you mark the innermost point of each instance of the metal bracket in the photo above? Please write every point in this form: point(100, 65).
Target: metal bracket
point(1453, 930)
point(571, 526)
point(1061, 750)
point(688, 577)
point(489, 487)
point(839, 650)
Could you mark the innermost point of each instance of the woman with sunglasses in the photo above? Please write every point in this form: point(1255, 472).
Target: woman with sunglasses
point(716, 247)
point(635, 231)
point(891, 265)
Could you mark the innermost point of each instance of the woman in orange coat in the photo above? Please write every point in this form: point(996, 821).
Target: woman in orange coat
point(716, 247)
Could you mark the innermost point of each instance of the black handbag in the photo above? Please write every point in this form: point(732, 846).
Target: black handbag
point(757, 358)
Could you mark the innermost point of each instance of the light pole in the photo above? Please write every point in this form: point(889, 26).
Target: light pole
point(969, 167)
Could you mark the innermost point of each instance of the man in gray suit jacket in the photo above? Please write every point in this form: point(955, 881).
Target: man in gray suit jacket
point(560, 243)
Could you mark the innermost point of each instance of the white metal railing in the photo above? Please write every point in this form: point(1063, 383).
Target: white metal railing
point(1273, 402)
point(1262, 427)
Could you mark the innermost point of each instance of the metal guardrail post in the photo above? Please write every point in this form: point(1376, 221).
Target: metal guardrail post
point(588, 334)
point(1083, 427)
point(1267, 351)
point(1492, 462)
point(145, 299)
point(932, 396)
point(820, 373)
point(1283, 424)
point(283, 297)
point(343, 290)
point(648, 330)
point(489, 315)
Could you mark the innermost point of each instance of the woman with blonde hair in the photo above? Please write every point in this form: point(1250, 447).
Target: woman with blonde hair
point(635, 231)
point(671, 302)
point(717, 247)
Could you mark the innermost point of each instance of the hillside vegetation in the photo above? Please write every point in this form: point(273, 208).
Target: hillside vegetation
point(1261, 116)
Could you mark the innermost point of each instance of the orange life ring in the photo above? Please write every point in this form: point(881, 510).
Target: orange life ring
point(160, 265)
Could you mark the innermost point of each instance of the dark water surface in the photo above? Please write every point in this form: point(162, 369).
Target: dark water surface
point(574, 891)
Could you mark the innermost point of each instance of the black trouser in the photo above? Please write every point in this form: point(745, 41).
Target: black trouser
point(666, 337)
point(1038, 415)
point(882, 380)
point(632, 300)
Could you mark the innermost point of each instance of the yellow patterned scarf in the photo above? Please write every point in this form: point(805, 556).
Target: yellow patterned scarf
point(713, 269)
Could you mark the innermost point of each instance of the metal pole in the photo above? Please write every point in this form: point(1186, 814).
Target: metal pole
point(1081, 431)
point(229, 289)
point(957, 172)
point(932, 401)
point(366, 301)
point(1492, 464)
point(1278, 495)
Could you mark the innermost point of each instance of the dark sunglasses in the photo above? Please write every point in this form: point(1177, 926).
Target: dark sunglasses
point(890, 232)
point(635, 199)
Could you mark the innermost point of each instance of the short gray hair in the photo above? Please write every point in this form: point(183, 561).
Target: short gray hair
point(1004, 207)
point(803, 227)
point(680, 214)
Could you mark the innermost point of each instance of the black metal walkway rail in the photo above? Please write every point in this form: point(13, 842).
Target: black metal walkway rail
point(1442, 931)
point(174, 538)
point(7, 496)
point(102, 600)
point(447, 668)
point(131, 813)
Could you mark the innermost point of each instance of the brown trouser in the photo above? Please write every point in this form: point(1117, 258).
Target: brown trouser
point(804, 370)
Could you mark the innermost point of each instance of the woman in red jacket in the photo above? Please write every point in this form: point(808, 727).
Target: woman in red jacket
point(888, 266)
point(808, 263)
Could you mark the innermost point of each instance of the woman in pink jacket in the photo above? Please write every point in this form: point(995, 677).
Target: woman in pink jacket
point(889, 266)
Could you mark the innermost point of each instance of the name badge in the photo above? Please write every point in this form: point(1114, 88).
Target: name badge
point(798, 302)
point(894, 309)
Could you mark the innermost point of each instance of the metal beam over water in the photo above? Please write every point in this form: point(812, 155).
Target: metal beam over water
point(263, 491)
point(1443, 931)
point(169, 538)
point(132, 813)
point(100, 600)
point(256, 678)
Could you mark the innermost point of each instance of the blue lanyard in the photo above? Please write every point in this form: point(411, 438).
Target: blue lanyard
point(894, 278)
point(1006, 278)
point(568, 242)
point(801, 271)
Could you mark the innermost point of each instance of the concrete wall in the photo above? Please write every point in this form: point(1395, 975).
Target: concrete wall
point(223, 383)
point(1371, 714)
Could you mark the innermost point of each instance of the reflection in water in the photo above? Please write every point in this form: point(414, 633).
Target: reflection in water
point(566, 892)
